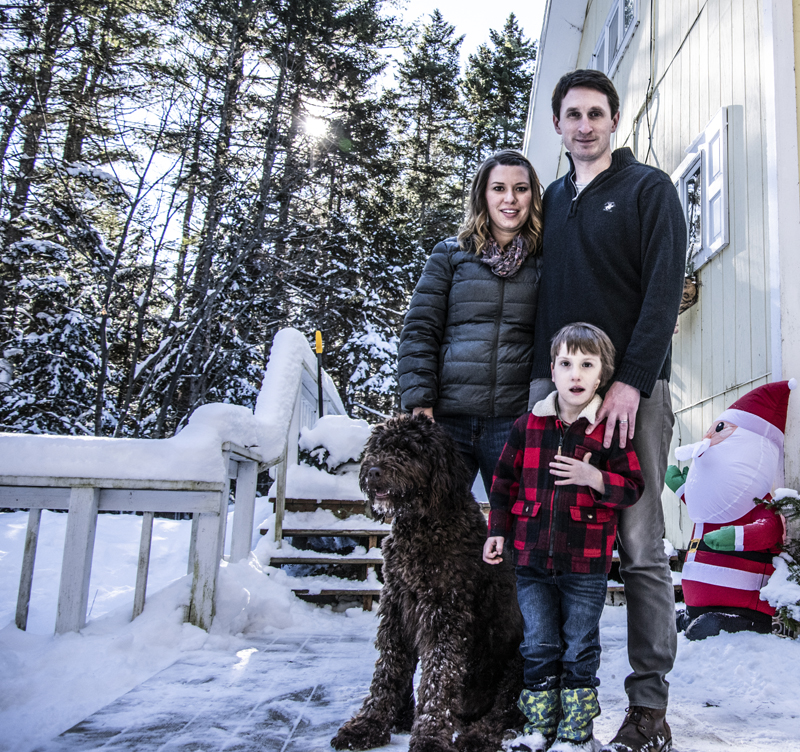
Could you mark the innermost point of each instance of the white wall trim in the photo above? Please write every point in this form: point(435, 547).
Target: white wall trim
point(783, 199)
point(559, 43)
point(780, 125)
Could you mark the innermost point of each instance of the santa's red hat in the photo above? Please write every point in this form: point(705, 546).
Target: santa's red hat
point(763, 410)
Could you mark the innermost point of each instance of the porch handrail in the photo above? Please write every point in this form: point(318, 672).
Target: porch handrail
point(272, 435)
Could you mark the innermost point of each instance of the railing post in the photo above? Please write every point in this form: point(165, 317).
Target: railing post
point(231, 471)
point(280, 498)
point(28, 559)
point(205, 565)
point(144, 563)
point(243, 510)
point(76, 566)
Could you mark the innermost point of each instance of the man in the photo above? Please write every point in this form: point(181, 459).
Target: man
point(614, 255)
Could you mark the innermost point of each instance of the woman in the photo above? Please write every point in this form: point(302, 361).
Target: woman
point(466, 349)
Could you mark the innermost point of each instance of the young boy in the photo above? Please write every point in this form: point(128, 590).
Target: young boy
point(555, 492)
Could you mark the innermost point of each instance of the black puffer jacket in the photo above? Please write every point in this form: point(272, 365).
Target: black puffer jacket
point(467, 341)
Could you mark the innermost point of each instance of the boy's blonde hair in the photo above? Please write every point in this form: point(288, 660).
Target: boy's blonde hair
point(589, 339)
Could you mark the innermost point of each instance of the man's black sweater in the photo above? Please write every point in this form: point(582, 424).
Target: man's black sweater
point(614, 256)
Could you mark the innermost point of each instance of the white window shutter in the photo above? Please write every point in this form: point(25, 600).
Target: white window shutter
point(708, 154)
point(715, 193)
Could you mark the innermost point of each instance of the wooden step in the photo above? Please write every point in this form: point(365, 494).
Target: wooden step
point(367, 595)
point(616, 587)
point(342, 508)
point(369, 561)
point(334, 532)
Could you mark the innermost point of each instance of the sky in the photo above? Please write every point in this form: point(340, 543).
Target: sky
point(475, 19)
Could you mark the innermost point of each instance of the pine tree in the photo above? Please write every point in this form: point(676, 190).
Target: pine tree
point(788, 504)
point(429, 115)
point(497, 86)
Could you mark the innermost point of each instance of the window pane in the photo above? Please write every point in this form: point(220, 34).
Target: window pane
point(601, 58)
point(715, 156)
point(693, 214)
point(613, 35)
point(628, 18)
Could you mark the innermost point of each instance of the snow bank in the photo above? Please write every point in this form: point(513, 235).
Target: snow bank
point(781, 590)
point(343, 438)
point(306, 482)
point(194, 454)
point(49, 683)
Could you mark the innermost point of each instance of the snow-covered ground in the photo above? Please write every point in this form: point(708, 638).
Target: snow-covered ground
point(731, 692)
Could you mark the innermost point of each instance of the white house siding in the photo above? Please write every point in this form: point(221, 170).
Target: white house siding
point(706, 56)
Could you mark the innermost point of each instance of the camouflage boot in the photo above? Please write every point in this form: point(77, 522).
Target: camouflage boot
point(579, 708)
point(543, 711)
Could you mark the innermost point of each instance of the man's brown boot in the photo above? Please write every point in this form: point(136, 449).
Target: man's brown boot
point(643, 730)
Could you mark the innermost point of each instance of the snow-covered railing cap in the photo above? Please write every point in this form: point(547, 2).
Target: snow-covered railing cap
point(289, 354)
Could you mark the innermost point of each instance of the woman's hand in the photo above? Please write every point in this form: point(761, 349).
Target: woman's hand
point(493, 549)
point(424, 410)
point(576, 471)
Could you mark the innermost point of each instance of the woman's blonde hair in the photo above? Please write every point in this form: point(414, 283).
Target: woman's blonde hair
point(476, 225)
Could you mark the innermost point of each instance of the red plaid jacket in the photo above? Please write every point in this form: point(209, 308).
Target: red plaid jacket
point(569, 528)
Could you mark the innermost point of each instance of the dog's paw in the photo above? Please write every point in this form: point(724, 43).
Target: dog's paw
point(474, 740)
point(361, 733)
point(427, 743)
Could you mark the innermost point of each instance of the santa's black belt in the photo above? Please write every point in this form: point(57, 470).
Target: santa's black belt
point(764, 557)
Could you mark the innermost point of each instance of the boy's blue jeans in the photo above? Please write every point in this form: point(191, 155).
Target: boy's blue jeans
point(561, 646)
point(480, 442)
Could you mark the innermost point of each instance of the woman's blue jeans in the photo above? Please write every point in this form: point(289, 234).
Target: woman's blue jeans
point(480, 442)
point(561, 646)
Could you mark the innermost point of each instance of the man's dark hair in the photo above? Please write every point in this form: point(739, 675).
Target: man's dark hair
point(586, 79)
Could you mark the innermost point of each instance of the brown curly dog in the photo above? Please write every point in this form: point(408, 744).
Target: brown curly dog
point(441, 606)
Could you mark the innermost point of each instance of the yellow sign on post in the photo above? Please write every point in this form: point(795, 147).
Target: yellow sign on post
point(318, 348)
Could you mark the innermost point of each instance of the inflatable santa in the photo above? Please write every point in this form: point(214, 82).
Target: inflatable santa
point(734, 538)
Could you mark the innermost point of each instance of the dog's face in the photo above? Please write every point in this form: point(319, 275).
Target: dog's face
point(410, 465)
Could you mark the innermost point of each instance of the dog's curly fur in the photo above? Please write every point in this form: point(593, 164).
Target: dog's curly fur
point(441, 605)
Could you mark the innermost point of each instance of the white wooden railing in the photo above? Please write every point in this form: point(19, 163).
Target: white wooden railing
point(304, 414)
point(83, 498)
point(36, 473)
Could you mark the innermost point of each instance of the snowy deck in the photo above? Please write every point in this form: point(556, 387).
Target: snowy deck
point(290, 690)
point(275, 673)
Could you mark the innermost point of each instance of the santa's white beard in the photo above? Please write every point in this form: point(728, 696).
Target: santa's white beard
point(724, 480)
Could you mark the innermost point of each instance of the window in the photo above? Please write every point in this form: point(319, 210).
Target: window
point(616, 34)
point(702, 183)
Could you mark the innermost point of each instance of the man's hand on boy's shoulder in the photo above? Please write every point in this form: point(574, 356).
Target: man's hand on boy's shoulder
point(620, 405)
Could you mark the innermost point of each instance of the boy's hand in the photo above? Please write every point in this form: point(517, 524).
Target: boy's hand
point(493, 549)
point(579, 472)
